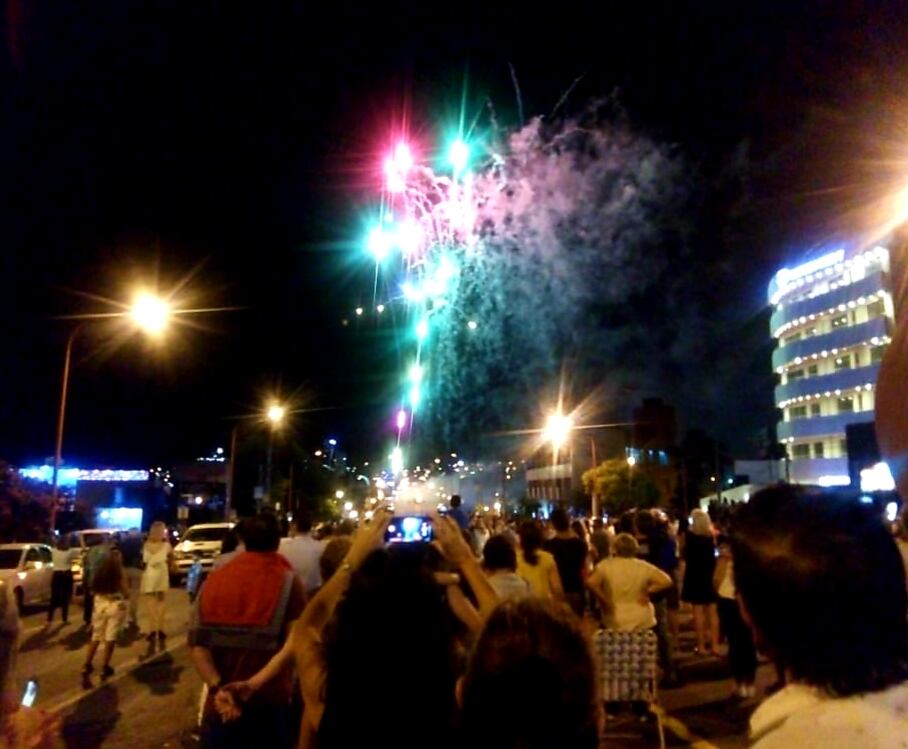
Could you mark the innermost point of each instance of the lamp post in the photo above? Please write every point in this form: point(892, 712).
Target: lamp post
point(148, 313)
point(557, 431)
point(631, 462)
point(275, 416)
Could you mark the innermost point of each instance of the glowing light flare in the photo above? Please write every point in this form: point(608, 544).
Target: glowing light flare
point(397, 460)
point(275, 413)
point(459, 156)
point(472, 324)
point(415, 396)
point(422, 329)
point(557, 429)
point(416, 373)
point(396, 167)
point(409, 237)
point(150, 313)
point(401, 419)
point(379, 244)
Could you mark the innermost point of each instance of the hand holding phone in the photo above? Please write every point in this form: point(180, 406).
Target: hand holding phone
point(30, 693)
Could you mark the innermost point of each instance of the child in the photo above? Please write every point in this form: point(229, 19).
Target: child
point(111, 590)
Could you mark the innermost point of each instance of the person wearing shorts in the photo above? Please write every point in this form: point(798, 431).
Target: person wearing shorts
point(111, 591)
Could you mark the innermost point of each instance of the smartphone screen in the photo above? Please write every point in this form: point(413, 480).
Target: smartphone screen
point(30, 694)
point(408, 529)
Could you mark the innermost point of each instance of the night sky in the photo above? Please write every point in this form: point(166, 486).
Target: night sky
point(236, 145)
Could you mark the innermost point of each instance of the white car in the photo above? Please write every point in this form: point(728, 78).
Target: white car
point(202, 541)
point(27, 569)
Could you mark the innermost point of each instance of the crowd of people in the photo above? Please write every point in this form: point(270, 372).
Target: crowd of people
point(482, 637)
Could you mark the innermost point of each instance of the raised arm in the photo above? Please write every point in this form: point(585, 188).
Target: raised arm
point(458, 552)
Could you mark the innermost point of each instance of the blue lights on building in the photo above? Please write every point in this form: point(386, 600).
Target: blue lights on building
point(832, 320)
point(69, 477)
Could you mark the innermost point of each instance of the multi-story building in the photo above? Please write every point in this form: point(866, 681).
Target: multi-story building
point(832, 321)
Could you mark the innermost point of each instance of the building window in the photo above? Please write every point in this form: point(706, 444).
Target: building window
point(838, 322)
point(876, 309)
point(843, 448)
point(843, 362)
point(791, 339)
point(797, 412)
point(800, 451)
point(876, 354)
point(813, 370)
point(846, 405)
point(814, 409)
point(795, 374)
point(818, 449)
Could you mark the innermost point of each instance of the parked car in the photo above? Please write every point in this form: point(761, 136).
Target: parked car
point(83, 541)
point(27, 570)
point(202, 541)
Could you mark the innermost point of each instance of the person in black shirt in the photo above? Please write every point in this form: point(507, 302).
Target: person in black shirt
point(572, 557)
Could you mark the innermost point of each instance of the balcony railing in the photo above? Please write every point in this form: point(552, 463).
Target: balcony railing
point(843, 337)
point(822, 426)
point(821, 304)
point(845, 379)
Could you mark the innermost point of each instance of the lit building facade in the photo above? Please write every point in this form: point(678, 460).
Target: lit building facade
point(832, 321)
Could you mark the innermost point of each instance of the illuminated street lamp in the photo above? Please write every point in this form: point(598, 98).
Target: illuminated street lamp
point(275, 414)
point(557, 430)
point(150, 314)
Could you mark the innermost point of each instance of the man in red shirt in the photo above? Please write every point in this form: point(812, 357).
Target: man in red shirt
point(240, 620)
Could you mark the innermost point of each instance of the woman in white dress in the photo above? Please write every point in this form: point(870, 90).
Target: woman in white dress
point(156, 555)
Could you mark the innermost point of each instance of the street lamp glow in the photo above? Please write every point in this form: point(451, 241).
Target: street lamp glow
point(276, 413)
point(150, 313)
point(359, 311)
point(557, 429)
point(339, 494)
point(631, 461)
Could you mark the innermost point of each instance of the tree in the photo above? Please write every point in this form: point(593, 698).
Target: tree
point(24, 507)
point(620, 487)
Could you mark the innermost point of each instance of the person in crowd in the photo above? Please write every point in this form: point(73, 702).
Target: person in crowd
point(599, 540)
point(821, 583)
point(572, 556)
point(110, 588)
point(240, 620)
point(20, 727)
point(303, 551)
point(697, 590)
point(156, 554)
point(499, 560)
point(661, 552)
point(61, 582)
point(623, 585)
point(130, 545)
point(479, 533)
point(536, 565)
point(93, 559)
point(379, 623)
point(901, 536)
point(231, 546)
point(530, 682)
point(742, 654)
point(457, 512)
point(332, 557)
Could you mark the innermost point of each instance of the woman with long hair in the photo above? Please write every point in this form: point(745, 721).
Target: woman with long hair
point(156, 555)
point(111, 590)
point(537, 566)
point(698, 590)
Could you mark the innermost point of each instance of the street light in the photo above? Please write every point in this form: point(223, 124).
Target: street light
point(275, 414)
point(150, 314)
point(557, 430)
